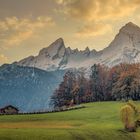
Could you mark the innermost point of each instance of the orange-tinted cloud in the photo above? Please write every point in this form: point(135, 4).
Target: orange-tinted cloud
point(3, 59)
point(95, 12)
point(98, 10)
point(91, 30)
point(14, 31)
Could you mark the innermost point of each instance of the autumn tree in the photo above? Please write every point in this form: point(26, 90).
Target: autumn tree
point(127, 84)
point(127, 117)
point(129, 114)
point(120, 82)
point(63, 95)
point(99, 82)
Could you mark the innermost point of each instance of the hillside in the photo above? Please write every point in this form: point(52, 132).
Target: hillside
point(29, 89)
point(98, 121)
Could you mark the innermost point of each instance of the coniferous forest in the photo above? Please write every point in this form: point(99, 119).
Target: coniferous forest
point(121, 82)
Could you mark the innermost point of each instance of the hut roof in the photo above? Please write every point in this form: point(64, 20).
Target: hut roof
point(8, 107)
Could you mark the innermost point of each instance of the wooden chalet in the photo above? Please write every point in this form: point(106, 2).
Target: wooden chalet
point(9, 110)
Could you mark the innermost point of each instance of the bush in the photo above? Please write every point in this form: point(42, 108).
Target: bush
point(134, 107)
point(128, 118)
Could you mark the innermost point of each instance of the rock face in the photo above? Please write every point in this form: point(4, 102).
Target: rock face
point(57, 56)
point(124, 48)
point(48, 58)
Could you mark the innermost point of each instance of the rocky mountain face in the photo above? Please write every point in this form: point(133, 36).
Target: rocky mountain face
point(124, 48)
point(57, 56)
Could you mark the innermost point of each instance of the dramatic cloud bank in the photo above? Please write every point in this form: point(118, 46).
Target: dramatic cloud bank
point(14, 31)
point(91, 30)
point(94, 12)
point(97, 10)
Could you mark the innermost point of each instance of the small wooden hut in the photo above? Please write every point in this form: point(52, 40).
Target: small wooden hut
point(9, 110)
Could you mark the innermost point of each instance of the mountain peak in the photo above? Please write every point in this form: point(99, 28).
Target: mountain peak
point(87, 49)
point(54, 48)
point(130, 27)
point(130, 24)
point(57, 43)
point(59, 40)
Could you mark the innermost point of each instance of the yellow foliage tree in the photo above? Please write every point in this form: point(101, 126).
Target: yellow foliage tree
point(128, 118)
point(133, 106)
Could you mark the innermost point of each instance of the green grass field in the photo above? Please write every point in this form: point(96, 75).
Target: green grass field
point(98, 121)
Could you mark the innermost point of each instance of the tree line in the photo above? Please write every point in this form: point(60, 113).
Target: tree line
point(121, 82)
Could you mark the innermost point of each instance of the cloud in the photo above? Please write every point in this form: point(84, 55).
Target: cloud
point(99, 10)
point(13, 30)
point(59, 1)
point(93, 13)
point(3, 59)
point(91, 30)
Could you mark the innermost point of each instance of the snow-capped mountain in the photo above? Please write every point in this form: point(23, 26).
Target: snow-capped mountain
point(57, 56)
point(124, 48)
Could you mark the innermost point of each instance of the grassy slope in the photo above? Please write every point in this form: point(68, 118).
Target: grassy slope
point(98, 121)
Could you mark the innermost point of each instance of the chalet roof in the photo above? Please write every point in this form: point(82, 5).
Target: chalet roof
point(9, 106)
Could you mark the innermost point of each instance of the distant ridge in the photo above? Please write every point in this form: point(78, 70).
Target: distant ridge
point(124, 48)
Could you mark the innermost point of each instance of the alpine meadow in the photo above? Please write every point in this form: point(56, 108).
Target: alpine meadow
point(69, 70)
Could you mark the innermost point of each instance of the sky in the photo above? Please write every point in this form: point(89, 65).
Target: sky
point(26, 26)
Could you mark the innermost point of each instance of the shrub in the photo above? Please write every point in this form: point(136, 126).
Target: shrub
point(134, 107)
point(128, 118)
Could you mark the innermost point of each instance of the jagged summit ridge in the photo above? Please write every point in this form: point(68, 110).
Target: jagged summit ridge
point(57, 56)
point(124, 48)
